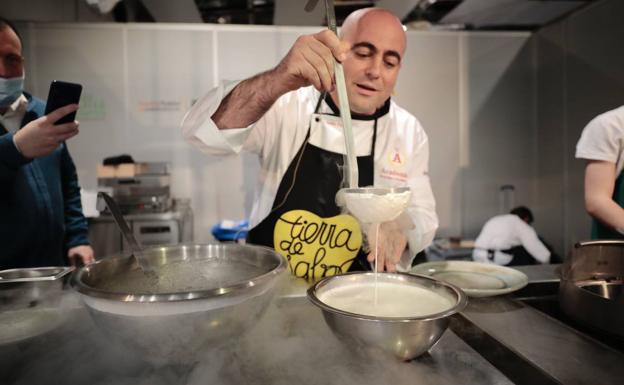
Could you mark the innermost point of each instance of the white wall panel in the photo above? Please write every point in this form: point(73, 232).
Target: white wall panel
point(501, 111)
point(167, 68)
point(428, 87)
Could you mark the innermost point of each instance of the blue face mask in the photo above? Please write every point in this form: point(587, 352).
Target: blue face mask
point(10, 90)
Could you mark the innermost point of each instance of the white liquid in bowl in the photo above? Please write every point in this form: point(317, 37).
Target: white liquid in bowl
point(386, 299)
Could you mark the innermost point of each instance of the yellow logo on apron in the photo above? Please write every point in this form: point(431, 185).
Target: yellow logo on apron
point(314, 246)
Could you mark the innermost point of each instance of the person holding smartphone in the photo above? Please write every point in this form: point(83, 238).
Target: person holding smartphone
point(41, 219)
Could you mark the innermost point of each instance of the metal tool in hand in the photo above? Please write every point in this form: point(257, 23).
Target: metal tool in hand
point(106, 201)
point(345, 112)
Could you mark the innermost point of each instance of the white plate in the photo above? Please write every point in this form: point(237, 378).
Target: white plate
point(474, 278)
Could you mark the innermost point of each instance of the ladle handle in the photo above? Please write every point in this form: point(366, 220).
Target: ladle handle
point(310, 5)
point(351, 166)
point(135, 246)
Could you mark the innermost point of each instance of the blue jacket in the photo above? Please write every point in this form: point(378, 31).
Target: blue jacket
point(40, 211)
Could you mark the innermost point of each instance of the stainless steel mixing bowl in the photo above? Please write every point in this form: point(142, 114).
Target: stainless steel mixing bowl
point(407, 337)
point(195, 297)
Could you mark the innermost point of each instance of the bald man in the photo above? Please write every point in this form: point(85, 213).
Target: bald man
point(289, 117)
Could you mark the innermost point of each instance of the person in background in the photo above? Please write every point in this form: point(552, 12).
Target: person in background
point(602, 145)
point(41, 220)
point(509, 239)
point(289, 117)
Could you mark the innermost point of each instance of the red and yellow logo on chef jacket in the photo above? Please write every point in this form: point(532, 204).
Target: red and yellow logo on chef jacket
point(396, 158)
point(317, 247)
point(394, 168)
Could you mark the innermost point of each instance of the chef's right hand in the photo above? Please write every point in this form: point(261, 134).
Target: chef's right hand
point(40, 137)
point(310, 61)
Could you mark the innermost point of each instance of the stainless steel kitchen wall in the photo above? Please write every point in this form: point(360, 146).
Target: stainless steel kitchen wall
point(580, 75)
point(499, 148)
point(473, 93)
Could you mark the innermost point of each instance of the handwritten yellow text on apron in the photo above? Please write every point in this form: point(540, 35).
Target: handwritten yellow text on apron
point(317, 247)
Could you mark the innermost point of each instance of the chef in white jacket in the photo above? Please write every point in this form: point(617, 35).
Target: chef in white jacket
point(289, 117)
point(510, 240)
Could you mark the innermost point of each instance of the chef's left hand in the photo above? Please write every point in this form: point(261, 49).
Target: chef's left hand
point(82, 252)
point(389, 243)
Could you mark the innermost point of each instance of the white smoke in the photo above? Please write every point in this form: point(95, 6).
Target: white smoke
point(291, 344)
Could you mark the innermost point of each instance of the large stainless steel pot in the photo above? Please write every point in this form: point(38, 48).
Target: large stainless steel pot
point(591, 285)
point(199, 296)
point(403, 337)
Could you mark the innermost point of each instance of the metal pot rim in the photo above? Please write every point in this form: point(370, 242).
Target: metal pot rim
point(47, 273)
point(461, 303)
point(90, 291)
point(375, 190)
point(576, 258)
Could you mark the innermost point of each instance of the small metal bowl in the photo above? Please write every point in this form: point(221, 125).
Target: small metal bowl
point(404, 337)
point(30, 302)
point(31, 287)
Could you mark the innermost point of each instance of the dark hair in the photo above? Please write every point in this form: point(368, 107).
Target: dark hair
point(6, 23)
point(524, 213)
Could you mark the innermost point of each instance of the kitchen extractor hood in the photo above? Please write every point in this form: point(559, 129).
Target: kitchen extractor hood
point(440, 14)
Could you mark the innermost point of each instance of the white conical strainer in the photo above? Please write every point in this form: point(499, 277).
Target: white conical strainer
point(374, 204)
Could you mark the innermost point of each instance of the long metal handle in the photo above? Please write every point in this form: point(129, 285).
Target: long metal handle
point(345, 113)
point(310, 5)
point(351, 165)
point(135, 246)
point(331, 16)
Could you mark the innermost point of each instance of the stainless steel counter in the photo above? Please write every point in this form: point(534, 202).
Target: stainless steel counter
point(535, 346)
point(292, 344)
point(547, 346)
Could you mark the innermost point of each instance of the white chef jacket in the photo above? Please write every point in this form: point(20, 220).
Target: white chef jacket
point(401, 150)
point(12, 118)
point(603, 139)
point(503, 232)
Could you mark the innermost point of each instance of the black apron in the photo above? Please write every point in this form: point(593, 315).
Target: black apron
point(519, 256)
point(310, 183)
point(601, 231)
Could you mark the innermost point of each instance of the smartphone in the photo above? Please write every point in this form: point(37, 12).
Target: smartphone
point(61, 94)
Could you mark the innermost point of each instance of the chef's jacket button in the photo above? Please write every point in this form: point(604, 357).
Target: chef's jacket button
point(317, 119)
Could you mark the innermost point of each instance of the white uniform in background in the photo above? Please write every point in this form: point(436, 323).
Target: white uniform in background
point(503, 232)
point(603, 139)
point(401, 150)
